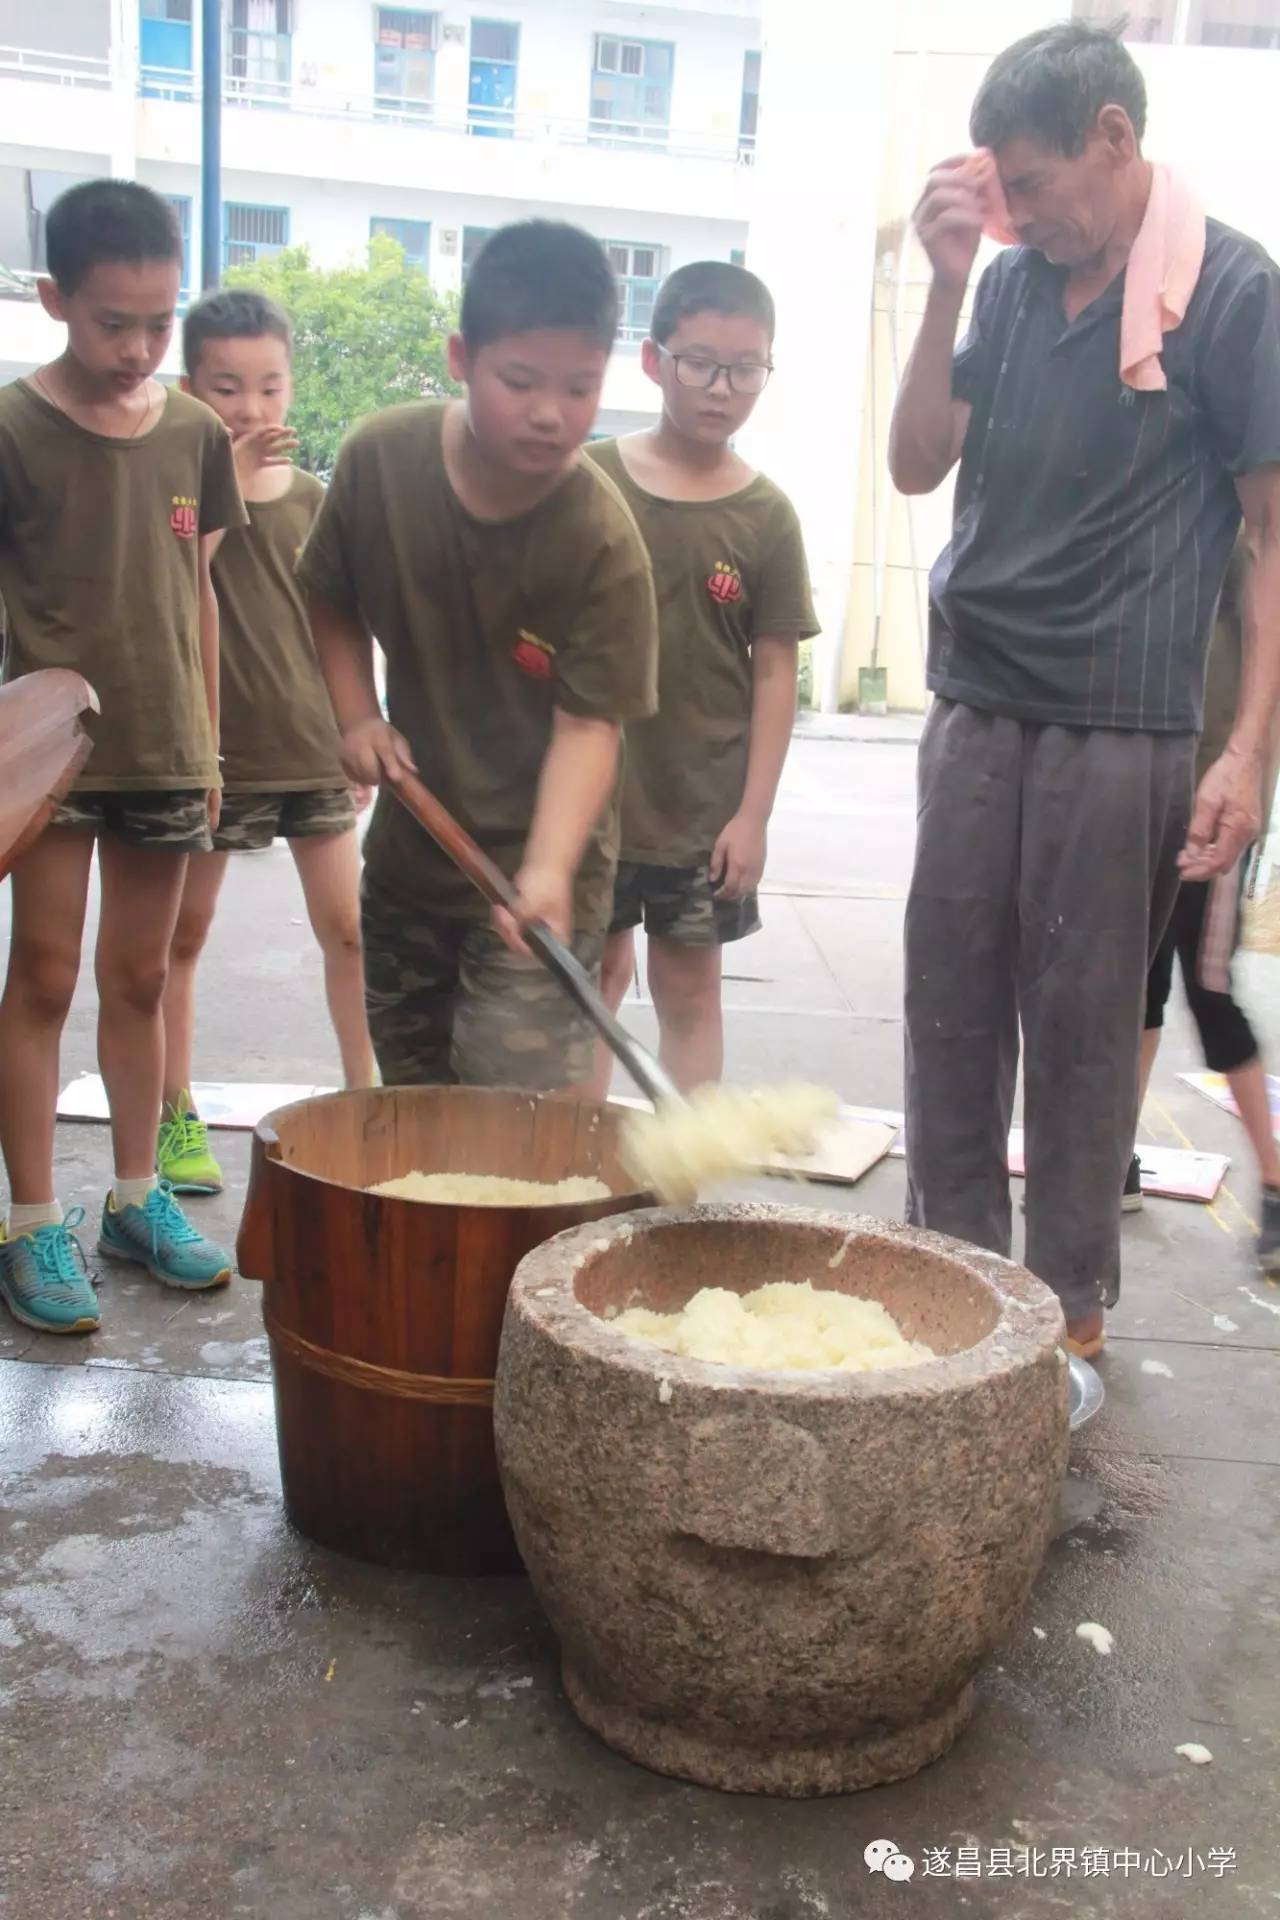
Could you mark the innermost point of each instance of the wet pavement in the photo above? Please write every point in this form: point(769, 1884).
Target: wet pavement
point(201, 1714)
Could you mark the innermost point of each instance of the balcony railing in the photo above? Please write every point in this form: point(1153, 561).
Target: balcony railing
point(58, 69)
point(297, 95)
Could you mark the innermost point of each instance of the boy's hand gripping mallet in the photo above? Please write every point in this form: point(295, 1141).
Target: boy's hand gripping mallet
point(564, 967)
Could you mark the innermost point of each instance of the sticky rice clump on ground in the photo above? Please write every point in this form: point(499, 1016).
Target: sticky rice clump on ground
point(676, 1150)
point(789, 1325)
point(492, 1190)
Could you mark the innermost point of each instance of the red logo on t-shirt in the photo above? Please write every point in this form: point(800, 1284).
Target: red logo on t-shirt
point(533, 656)
point(725, 583)
point(183, 517)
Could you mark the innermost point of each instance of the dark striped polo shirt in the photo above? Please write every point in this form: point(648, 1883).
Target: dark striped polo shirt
point(1093, 524)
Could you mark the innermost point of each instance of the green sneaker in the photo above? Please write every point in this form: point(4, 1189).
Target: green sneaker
point(159, 1237)
point(44, 1281)
point(182, 1151)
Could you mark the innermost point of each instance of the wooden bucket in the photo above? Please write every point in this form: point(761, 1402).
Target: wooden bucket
point(43, 746)
point(384, 1315)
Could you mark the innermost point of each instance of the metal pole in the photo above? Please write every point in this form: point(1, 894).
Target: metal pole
point(211, 144)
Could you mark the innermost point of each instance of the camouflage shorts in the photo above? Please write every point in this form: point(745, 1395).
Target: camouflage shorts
point(176, 822)
point(680, 904)
point(447, 1001)
point(251, 821)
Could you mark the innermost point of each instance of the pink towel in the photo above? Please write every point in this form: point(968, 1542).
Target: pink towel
point(981, 169)
point(1163, 268)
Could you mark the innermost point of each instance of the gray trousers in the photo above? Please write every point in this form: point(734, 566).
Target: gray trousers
point(1045, 874)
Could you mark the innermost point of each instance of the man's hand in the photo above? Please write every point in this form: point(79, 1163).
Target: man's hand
point(372, 751)
point(546, 894)
point(214, 805)
point(263, 447)
point(948, 220)
point(737, 861)
point(1227, 816)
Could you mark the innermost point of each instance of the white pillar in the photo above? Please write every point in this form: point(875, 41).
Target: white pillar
point(123, 60)
point(824, 98)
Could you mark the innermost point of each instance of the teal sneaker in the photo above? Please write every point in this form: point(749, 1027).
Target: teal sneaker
point(159, 1237)
point(44, 1281)
point(182, 1152)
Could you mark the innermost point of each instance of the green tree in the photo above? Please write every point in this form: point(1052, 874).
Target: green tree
point(364, 337)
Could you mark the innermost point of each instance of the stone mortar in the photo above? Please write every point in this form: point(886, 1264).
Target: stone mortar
point(778, 1582)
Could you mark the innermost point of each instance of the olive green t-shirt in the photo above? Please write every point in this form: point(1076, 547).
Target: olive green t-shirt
point(725, 571)
point(488, 627)
point(99, 572)
point(278, 730)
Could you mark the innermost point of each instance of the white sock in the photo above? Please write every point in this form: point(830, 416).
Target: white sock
point(46, 1213)
point(132, 1193)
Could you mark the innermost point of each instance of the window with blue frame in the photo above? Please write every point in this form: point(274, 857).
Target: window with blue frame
point(164, 50)
point(260, 48)
point(252, 233)
point(631, 90)
point(639, 274)
point(414, 237)
point(182, 207)
point(495, 53)
point(404, 59)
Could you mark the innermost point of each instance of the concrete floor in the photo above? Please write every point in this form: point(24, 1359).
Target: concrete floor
point(205, 1715)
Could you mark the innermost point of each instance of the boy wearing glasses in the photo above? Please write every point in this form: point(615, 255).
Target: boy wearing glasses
point(733, 604)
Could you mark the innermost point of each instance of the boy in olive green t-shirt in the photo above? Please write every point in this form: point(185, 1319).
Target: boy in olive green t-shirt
point(110, 490)
point(281, 773)
point(733, 603)
point(510, 592)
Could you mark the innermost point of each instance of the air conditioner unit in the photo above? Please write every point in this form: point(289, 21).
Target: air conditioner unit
point(453, 32)
point(449, 242)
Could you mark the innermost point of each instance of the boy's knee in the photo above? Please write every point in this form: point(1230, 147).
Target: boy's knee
point(686, 1013)
point(135, 985)
point(44, 979)
point(685, 983)
point(189, 938)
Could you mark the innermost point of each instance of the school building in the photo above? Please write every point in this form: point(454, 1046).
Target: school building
point(792, 134)
point(344, 119)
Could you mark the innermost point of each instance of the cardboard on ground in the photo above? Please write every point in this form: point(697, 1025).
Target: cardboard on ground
point(1169, 1173)
point(856, 1140)
point(1215, 1087)
point(235, 1105)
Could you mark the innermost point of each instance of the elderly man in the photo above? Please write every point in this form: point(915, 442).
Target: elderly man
point(1069, 619)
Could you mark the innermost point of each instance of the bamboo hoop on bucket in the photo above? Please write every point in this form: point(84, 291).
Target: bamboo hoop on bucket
point(444, 1390)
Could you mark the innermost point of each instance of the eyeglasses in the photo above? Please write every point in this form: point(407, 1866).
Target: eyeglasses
point(696, 370)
